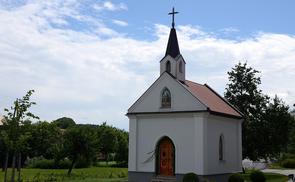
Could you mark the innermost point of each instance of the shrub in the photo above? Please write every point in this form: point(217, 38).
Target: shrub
point(120, 165)
point(288, 163)
point(190, 177)
point(287, 156)
point(82, 163)
point(257, 176)
point(41, 163)
point(63, 164)
point(235, 178)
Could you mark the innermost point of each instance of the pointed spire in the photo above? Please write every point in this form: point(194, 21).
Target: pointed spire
point(172, 46)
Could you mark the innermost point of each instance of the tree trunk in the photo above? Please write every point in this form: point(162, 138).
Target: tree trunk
point(3, 165)
point(6, 166)
point(72, 166)
point(19, 158)
point(107, 159)
point(13, 168)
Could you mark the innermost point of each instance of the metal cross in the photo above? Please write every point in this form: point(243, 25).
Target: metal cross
point(173, 13)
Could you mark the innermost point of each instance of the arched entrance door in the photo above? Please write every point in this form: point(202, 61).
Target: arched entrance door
point(165, 157)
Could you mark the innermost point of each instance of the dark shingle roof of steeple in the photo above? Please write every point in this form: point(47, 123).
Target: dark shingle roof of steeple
point(172, 46)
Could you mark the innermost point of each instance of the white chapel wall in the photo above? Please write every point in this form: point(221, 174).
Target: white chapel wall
point(181, 99)
point(132, 143)
point(172, 62)
point(181, 129)
point(231, 131)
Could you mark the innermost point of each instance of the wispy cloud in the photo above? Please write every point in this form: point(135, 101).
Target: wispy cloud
point(120, 23)
point(108, 5)
point(84, 75)
point(229, 30)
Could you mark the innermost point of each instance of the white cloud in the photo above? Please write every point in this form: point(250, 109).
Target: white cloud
point(108, 5)
point(120, 23)
point(82, 74)
point(229, 30)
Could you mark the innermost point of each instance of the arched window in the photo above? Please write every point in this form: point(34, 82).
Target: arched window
point(168, 66)
point(166, 98)
point(180, 66)
point(221, 147)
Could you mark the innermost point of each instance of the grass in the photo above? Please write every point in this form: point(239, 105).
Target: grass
point(270, 177)
point(275, 166)
point(99, 174)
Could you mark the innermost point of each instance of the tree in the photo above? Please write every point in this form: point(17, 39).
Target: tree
point(122, 147)
point(79, 144)
point(291, 134)
point(14, 122)
point(5, 145)
point(64, 122)
point(242, 92)
point(276, 122)
point(108, 140)
point(44, 137)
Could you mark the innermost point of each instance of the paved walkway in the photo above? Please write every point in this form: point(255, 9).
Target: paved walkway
point(280, 171)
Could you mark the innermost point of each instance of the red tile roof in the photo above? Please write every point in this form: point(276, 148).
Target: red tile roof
point(211, 99)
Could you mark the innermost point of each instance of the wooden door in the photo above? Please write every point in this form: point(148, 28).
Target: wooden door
point(166, 158)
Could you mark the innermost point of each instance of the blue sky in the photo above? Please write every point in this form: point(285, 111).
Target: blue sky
point(248, 17)
point(90, 60)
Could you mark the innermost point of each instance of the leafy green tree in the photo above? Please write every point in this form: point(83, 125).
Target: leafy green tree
point(122, 147)
point(5, 144)
point(80, 144)
point(14, 124)
point(267, 121)
point(242, 92)
point(44, 136)
point(291, 135)
point(107, 140)
point(64, 122)
point(274, 135)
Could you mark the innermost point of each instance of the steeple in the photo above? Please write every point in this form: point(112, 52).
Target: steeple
point(173, 63)
point(172, 46)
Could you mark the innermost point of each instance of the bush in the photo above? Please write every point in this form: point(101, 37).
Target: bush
point(42, 163)
point(235, 178)
point(287, 156)
point(288, 163)
point(63, 164)
point(82, 163)
point(190, 177)
point(120, 165)
point(257, 176)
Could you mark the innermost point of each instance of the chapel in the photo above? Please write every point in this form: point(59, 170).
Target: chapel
point(178, 126)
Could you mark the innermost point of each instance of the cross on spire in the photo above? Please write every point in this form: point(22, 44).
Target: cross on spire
point(173, 13)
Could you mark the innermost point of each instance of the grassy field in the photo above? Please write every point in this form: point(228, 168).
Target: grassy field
point(99, 174)
point(270, 177)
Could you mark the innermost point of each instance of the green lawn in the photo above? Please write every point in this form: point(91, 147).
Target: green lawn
point(99, 174)
point(270, 177)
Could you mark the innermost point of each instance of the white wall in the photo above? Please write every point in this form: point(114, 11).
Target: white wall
point(174, 66)
point(196, 140)
point(181, 99)
point(231, 130)
point(181, 129)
